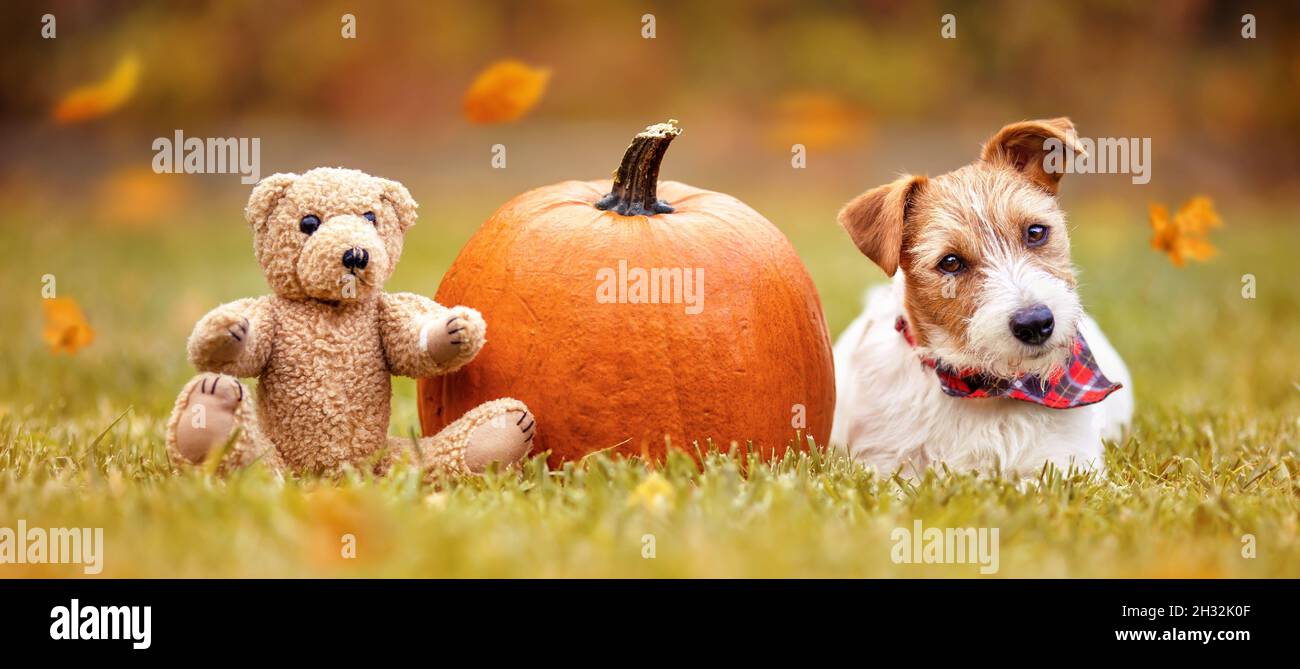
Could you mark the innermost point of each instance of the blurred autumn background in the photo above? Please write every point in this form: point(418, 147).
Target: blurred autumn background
point(869, 87)
point(424, 92)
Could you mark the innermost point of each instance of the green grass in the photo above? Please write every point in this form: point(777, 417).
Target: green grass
point(1212, 457)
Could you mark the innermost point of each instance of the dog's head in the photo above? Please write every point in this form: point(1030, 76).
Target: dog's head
point(329, 234)
point(984, 254)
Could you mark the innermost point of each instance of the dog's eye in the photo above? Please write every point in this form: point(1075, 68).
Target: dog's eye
point(1035, 235)
point(369, 216)
point(309, 223)
point(951, 264)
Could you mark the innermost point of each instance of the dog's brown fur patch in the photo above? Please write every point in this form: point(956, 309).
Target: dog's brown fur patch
point(979, 213)
point(945, 217)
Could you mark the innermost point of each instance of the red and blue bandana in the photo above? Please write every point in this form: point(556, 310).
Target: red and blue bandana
point(1079, 383)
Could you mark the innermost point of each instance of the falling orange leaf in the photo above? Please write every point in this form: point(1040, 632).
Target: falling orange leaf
point(66, 329)
point(94, 100)
point(815, 120)
point(137, 196)
point(505, 91)
point(1183, 236)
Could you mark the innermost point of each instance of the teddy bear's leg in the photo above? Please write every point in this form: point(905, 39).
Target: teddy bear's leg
point(499, 431)
point(209, 409)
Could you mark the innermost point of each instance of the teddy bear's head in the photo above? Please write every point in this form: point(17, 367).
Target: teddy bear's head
point(328, 234)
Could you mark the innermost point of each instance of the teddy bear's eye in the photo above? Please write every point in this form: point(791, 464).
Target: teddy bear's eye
point(309, 223)
point(370, 216)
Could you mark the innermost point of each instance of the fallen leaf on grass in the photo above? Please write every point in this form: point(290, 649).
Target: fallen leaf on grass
point(343, 528)
point(655, 493)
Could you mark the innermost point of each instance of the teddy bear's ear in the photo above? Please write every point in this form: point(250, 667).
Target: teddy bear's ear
point(396, 195)
point(266, 195)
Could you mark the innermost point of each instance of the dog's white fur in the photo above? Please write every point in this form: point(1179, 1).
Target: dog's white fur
point(892, 415)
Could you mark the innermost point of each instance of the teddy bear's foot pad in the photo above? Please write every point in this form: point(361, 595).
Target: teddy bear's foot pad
point(208, 417)
point(505, 439)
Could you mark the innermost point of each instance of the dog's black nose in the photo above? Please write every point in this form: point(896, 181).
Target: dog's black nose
point(1032, 325)
point(355, 258)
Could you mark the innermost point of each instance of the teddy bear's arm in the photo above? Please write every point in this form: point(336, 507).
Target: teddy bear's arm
point(233, 338)
point(423, 338)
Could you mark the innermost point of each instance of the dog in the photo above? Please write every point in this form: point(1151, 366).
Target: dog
point(978, 355)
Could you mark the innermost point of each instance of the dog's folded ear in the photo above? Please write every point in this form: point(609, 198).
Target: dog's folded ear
point(1024, 147)
point(874, 220)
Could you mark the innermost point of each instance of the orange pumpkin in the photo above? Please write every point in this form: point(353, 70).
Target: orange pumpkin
point(597, 321)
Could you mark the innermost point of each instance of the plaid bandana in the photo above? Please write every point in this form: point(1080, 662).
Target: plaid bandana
point(1080, 383)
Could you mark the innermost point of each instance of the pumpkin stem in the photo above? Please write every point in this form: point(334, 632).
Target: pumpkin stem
point(637, 178)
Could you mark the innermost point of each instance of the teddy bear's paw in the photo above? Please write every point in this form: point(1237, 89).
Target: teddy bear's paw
point(225, 337)
point(504, 439)
point(208, 416)
point(453, 336)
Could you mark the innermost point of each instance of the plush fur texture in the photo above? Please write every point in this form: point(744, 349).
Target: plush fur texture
point(891, 411)
point(324, 345)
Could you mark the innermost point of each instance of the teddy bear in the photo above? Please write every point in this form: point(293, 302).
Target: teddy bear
point(327, 340)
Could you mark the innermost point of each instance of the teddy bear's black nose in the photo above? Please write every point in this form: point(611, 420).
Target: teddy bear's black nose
point(1033, 325)
point(356, 258)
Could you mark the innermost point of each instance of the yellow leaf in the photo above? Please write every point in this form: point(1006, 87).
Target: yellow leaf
point(94, 100)
point(505, 91)
point(655, 493)
point(343, 528)
point(66, 329)
point(1198, 215)
point(1184, 236)
point(1160, 228)
point(1197, 249)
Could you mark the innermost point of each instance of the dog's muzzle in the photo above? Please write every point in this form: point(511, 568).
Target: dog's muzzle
point(1033, 325)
